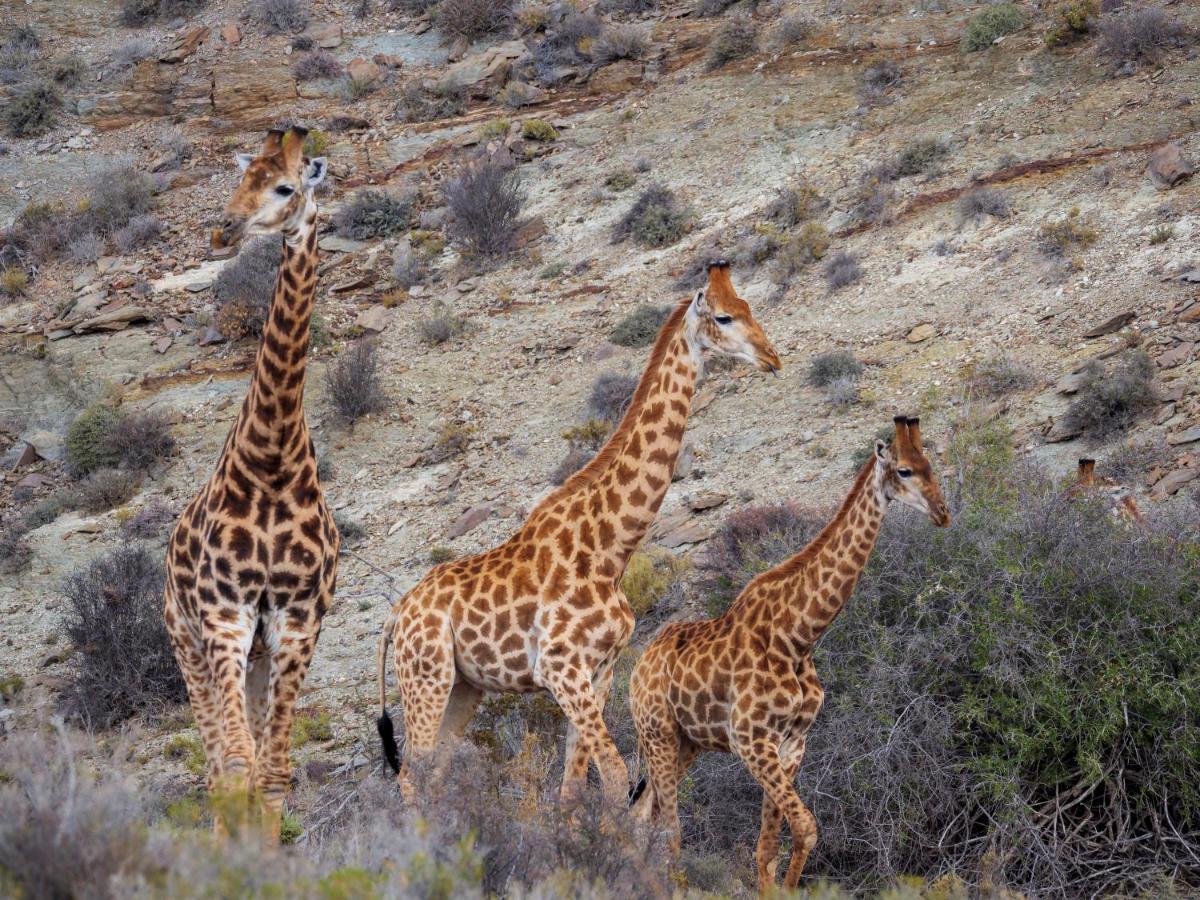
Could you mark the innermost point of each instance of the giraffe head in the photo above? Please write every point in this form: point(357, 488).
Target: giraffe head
point(275, 189)
point(720, 321)
point(904, 474)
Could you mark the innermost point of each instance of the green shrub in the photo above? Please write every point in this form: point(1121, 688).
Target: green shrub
point(990, 23)
point(656, 219)
point(640, 327)
point(309, 727)
point(1071, 20)
point(647, 577)
point(538, 130)
point(32, 109)
point(88, 442)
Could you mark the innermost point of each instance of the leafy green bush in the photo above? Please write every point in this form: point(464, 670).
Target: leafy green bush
point(88, 442)
point(640, 327)
point(990, 23)
point(538, 130)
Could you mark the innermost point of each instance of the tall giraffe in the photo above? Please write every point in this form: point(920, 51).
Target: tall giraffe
point(745, 683)
point(252, 563)
point(544, 610)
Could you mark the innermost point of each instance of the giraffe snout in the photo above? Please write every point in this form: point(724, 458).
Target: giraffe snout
point(228, 232)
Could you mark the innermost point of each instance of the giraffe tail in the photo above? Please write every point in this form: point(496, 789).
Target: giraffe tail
point(387, 731)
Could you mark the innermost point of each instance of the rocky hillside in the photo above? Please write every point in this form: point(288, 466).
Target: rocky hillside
point(984, 212)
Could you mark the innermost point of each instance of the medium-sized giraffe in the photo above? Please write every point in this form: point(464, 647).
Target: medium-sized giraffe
point(252, 563)
point(744, 682)
point(544, 610)
point(1118, 496)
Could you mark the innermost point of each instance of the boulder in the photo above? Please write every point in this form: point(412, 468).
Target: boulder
point(325, 36)
point(231, 34)
point(616, 77)
point(186, 45)
point(471, 519)
point(921, 333)
point(1168, 166)
point(482, 73)
point(375, 319)
point(363, 70)
point(250, 96)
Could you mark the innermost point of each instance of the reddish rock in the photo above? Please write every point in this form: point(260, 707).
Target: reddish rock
point(363, 70)
point(326, 36)
point(27, 458)
point(186, 45)
point(1168, 166)
point(615, 77)
point(388, 61)
point(471, 519)
point(1173, 481)
point(231, 35)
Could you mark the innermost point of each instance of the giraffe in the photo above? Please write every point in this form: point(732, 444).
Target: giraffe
point(745, 683)
point(1119, 497)
point(251, 565)
point(544, 610)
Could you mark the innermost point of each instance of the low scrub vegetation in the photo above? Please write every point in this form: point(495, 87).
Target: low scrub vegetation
point(373, 214)
point(32, 109)
point(123, 662)
point(244, 287)
point(640, 327)
point(876, 81)
point(419, 103)
point(836, 373)
point(440, 326)
point(279, 16)
point(485, 201)
point(470, 20)
point(610, 396)
point(999, 376)
point(1071, 20)
point(1112, 398)
point(990, 24)
point(1137, 38)
point(982, 202)
point(106, 436)
point(106, 489)
point(353, 382)
point(1067, 236)
point(736, 38)
point(567, 43)
point(648, 576)
point(619, 42)
point(842, 270)
point(136, 13)
point(656, 219)
point(315, 65)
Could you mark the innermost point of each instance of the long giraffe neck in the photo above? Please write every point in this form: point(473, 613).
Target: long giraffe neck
point(803, 595)
point(622, 488)
point(271, 434)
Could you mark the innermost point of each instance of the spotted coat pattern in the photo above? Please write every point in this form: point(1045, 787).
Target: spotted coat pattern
point(252, 562)
point(745, 683)
point(544, 610)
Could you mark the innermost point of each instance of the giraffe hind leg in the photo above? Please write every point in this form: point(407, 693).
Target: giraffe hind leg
point(202, 694)
point(426, 675)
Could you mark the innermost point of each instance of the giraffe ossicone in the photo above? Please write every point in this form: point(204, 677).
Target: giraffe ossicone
point(544, 610)
point(744, 682)
point(252, 562)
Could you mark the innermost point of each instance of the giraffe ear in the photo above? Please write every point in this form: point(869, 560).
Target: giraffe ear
point(243, 161)
point(314, 172)
point(881, 449)
point(700, 303)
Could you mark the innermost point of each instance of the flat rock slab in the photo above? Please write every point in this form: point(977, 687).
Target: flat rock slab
point(1191, 435)
point(1116, 323)
point(335, 244)
point(921, 333)
point(194, 280)
point(471, 519)
point(375, 319)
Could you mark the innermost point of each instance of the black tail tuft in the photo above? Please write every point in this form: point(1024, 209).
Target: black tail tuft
point(387, 734)
point(637, 790)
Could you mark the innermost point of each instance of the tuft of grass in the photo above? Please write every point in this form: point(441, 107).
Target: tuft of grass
point(11, 686)
point(619, 42)
point(13, 282)
point(792, 205)
point(373, 214)
point(439, 554)
point(991, 23)
point(656, 219)
point(137, 232)
point(640, 327)
point(875, 81)
point(188, 749)
point(538, 130)
point(736, 38)
point(648, 575)
point(1067, 235)
point(353, 87)
point(453, 440)
point(317, 143)
point(88, 443)
point(310, 727)
point(353, 382)
point(1160, 235)
point(620, 180)
point(1112, 398)
point(841, 270)
point(792, 30)
point(796, 252)
point(15, 551)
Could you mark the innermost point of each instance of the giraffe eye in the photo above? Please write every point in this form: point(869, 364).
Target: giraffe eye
point(285, 190)
point(904, 473)
point(722, 320)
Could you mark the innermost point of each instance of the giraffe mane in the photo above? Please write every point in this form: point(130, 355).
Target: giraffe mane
point(616, 442)
point(789, 566)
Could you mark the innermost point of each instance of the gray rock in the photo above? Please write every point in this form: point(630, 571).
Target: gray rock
point(335, 244)
point(1168, 167)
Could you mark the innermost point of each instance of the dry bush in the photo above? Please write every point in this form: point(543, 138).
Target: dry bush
point(315, 65)
point(792, 30)
point(575, 459)
point(123, 661)
point(279, 16)
point(421, 104)
point(796, 252)
point(32, 109)
point(142, 441)
point(619, 42)
point(629, 7)
point(440, 326)
point(151, 522)
point(15, 551)
point(485, 201)
point(1070, 234)
point(353, 382)
point(841, 270)
point(648, 576)
point(566, 43)
point(827, 368)
point(875, 81)
point(984, 202)
point(1139, 37)
point(1112, 399)
point(244, 287)
point(793, 205)
point(136, 13)
point(736, 38)
point(1071, 20)
point(137, 232)
point(128, 55)
point(116, 196)
point(640, 327)
point(610, 396)
point(373, 214)
point(999, 376)
point(106, 489)
point(656, 219)
point(469, 20)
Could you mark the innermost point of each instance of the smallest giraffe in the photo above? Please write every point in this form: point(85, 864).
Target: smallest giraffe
point(1118, 496)
point(745, 683)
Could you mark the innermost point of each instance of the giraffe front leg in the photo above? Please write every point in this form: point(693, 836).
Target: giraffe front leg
point(227, 647)
point(760, 752)
point(577, 757)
